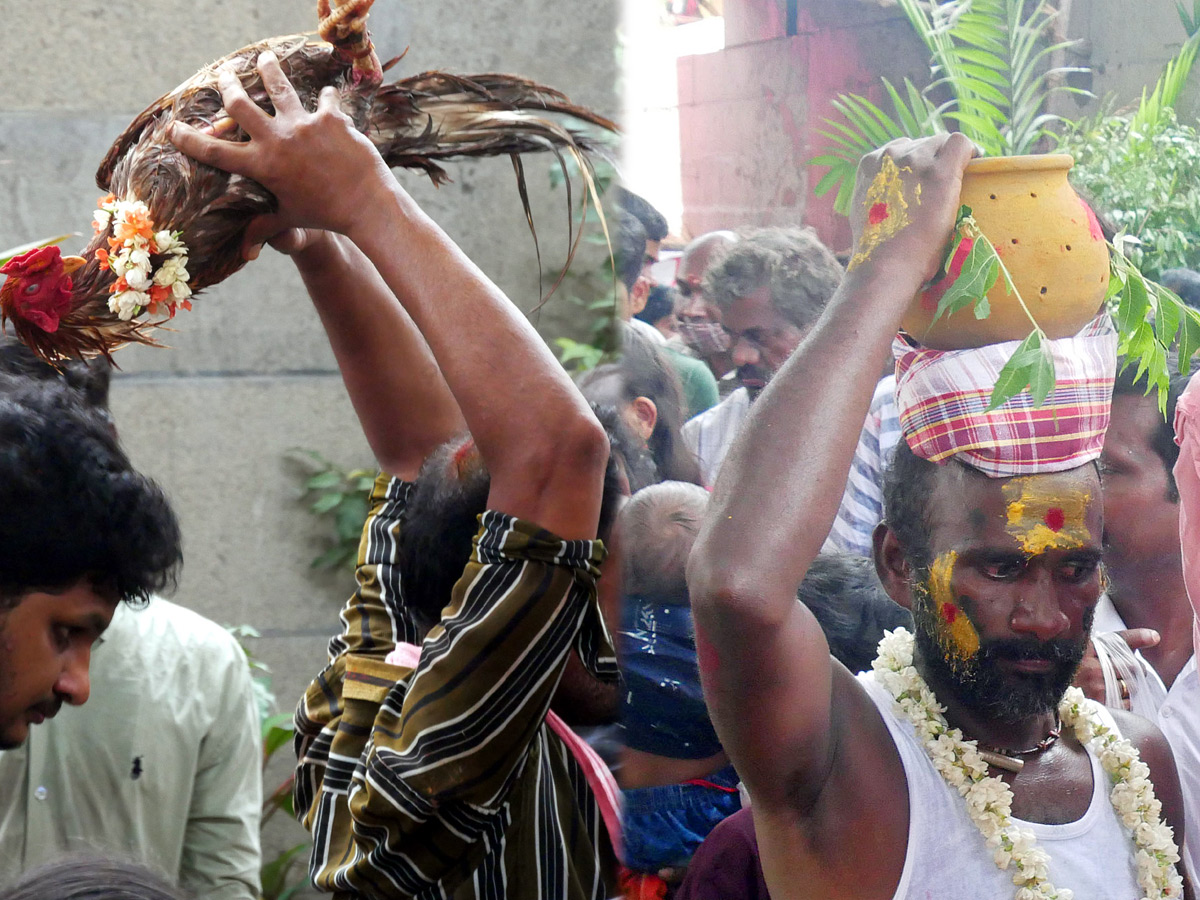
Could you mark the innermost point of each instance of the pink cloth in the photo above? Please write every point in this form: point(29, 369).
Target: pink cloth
point(942, 397)
point(1187, 477)
point(598, 775)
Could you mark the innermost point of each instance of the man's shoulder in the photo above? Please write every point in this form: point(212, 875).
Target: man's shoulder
point(1145, 735)
point(162, 627)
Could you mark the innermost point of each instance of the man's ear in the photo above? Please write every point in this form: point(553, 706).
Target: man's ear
point(645, 416)
point(639, 295)
point(891, 565)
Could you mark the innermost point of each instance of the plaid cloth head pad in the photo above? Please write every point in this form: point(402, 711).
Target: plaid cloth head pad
point(943, 394)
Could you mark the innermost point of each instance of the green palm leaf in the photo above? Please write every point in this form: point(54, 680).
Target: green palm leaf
point(991, 57)
point(1168, 88)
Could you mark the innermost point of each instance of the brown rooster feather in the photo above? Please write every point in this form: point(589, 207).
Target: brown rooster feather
point(415, 123)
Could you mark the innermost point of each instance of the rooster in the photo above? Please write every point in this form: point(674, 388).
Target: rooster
point(172, 226)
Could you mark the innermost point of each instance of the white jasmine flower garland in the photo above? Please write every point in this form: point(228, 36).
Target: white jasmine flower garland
point(139, 287)
point(989, 799)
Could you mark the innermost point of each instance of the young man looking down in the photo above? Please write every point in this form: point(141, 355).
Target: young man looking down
point(80, 532)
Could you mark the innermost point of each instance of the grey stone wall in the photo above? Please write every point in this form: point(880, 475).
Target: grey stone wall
point(1126, 44)
point(249, 374)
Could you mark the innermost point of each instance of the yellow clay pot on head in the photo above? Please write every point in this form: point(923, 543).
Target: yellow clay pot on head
point(1049, 240)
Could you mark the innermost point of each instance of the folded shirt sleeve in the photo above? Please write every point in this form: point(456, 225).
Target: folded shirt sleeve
point(405, 772)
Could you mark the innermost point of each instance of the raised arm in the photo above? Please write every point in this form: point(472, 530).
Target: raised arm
point(403, 403)
point(780, 487)
point(543, 448)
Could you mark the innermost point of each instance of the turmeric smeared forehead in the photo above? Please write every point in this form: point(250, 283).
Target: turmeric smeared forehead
point(1044, 517)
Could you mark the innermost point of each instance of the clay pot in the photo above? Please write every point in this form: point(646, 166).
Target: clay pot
point(1047, 237)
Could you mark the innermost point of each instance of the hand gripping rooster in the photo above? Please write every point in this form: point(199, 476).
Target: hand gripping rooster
point(171, 226)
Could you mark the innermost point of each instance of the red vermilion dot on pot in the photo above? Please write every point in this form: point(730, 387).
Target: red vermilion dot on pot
point(1055, 519)
point(1094, 228)
point(877, 213)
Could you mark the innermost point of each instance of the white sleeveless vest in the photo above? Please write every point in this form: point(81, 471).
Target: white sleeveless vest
point(948, 859)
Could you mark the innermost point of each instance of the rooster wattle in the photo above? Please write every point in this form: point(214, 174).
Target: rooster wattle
point(175, 225)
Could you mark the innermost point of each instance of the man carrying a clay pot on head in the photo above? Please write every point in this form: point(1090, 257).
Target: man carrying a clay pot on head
point(961, 766)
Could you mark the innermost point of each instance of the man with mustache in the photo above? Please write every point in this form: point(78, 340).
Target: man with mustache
point(952, 769)
point(770, 288)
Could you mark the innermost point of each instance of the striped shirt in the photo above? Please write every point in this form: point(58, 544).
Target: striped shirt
point(444, 780)
point(711, 434)
point(862, 502)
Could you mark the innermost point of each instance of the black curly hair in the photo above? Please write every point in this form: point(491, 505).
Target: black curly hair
point(92, 878)
point(441, 517)
point(72, 508)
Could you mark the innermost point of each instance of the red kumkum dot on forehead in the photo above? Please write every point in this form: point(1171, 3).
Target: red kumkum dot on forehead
point(949, 613)
point(1055, 519)
point(877, 213)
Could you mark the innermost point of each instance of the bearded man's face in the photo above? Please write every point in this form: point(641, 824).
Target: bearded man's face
point(1004, 607)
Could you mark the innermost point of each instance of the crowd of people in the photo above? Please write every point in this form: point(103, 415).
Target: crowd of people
point(733, 616)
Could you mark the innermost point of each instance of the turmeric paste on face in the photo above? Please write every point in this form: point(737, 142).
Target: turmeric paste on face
point(958, 636)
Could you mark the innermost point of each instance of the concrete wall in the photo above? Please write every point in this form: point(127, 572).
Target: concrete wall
point(249, 374)
point(749, 116)
point(1126, 47)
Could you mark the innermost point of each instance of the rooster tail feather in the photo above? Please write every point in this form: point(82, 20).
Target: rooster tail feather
point(523, 190)
point(438, 116)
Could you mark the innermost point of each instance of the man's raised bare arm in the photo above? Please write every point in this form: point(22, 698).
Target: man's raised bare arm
point(780, 486)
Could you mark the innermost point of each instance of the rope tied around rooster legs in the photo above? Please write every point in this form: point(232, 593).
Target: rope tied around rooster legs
point(345, 26)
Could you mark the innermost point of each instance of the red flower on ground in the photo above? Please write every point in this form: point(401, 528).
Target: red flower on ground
point(38, 288)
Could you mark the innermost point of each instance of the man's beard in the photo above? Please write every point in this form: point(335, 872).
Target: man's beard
point(753, 379)
point(978, 681)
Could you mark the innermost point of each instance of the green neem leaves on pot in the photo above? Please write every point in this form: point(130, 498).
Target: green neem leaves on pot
point(972, 268)
point(1151, 320)
point(1031, 366)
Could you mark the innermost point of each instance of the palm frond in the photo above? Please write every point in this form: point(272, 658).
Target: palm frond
point(1191, 21)
point(991, 56)
point(1167, 89)
point(867, 126)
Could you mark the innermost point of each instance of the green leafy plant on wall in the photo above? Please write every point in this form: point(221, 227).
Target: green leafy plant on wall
point(1143, 169)
point(339, 496)
point(280, 878)
point(990, 58)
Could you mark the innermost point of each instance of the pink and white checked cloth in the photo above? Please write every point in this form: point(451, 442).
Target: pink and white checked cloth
point(943, 394)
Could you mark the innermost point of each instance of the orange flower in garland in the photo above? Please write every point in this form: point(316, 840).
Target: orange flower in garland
point(141, 285)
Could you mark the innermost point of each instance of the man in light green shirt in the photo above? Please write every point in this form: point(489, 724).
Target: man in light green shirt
point(163, 764)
